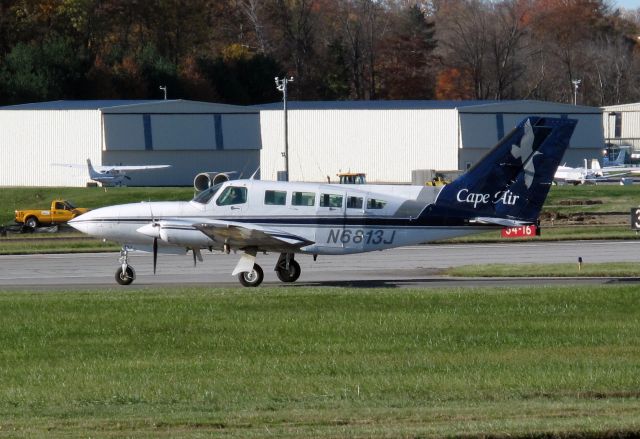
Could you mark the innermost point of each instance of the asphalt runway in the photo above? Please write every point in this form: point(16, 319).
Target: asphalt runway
point(415, 266)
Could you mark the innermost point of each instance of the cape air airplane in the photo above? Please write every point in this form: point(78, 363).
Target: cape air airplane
point(504, 189)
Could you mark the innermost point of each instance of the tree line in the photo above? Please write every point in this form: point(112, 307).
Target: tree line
point(229, 51)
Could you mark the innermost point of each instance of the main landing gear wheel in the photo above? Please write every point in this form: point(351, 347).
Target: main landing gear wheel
point(127, 277)
point(290, 275)
point(251, 278)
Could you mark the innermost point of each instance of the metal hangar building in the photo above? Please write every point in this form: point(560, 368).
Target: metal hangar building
point(387, 140)
point(190, 136)
point(621, 125)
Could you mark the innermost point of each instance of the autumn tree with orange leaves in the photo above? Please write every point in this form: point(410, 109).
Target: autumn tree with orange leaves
point(230, 50)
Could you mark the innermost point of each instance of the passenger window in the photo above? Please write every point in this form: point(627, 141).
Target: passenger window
point(330, 200)
point(232, 195)
point(303, 199)
point(277, 198)
point(59, 206)
point(354, 202)
point(372, 203)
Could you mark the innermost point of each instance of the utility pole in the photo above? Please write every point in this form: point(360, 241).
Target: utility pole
point(576, 84)
point(281, 85)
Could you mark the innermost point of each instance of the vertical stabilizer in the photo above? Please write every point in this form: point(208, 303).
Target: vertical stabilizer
point(512, 181)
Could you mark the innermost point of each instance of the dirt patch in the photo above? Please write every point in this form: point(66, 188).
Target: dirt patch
point(551, 217)
point(579, 202)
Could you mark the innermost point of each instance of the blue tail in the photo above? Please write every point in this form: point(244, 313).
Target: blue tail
point(509, 185)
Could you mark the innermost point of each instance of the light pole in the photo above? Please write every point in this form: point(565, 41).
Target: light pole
point(164, 89)
point(576, 84)
point(281, 85)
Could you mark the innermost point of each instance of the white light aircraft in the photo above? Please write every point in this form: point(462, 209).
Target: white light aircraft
point(595, 174)
point(505, 189)
point(112, 175)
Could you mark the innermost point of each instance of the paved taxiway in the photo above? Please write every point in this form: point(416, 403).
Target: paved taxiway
point(407, 266)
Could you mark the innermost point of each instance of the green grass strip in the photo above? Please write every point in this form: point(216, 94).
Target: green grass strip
point(312, 362)
point(586, 269)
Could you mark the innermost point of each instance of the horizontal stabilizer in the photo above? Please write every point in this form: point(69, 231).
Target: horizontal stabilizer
point(500, 221)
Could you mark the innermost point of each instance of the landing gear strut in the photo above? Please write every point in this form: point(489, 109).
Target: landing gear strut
point(125, 274)
point(287, 269)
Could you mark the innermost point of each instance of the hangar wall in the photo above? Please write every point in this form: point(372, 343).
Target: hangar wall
point(191, 136)
point(621, 125)
point(386, 144)
point(387, 140)
point(31, 141)
point(481, 131)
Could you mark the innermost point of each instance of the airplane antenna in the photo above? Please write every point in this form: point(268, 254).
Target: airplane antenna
point(253, 176)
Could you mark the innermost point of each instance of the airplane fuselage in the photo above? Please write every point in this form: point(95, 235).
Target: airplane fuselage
point(334, 219)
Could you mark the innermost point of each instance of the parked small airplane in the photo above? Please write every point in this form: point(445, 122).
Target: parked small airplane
point(505, 189)
point(595, 174)
point(112, 175)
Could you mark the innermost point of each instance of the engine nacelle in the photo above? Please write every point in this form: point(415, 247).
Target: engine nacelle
point(185, 237)
point(205, 180)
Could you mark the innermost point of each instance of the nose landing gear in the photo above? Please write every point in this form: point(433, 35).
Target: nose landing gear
point(125, 274)
point(251, 278)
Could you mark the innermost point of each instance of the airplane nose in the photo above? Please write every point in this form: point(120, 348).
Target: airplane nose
point(91, 222)
point(80, 224)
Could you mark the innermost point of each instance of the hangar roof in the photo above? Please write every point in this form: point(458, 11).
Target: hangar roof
point(135, 106)
point(471, 106)
point(371, 105)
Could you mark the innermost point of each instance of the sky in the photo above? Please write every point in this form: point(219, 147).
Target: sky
point(629, 4)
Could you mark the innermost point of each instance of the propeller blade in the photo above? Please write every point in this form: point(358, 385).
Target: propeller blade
point(155, 254)
point(194, 256)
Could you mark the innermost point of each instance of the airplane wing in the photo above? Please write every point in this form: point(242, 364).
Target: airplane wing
point(250, 235)
point(235, 234)
point(129, 168)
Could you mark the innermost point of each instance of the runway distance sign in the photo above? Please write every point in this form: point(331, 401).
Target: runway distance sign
point(519, 232)
point(635, 218)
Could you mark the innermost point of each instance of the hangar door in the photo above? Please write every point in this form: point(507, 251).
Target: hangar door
point(163, 132)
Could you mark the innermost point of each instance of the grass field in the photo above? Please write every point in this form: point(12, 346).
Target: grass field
point(587, 269)
point(304, 362)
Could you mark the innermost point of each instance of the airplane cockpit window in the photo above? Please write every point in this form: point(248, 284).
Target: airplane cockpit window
point(330, 200)
point(372, 203)
point(275, 198)
point(232, 195)
point(303, 199)
point(354, 202)
point(206, 195)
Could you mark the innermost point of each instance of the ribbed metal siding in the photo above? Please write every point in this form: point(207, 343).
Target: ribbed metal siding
point(385, 144)
point(630, 129)
point(31, 141)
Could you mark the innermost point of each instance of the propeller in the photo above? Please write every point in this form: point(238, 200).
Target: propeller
point(155, 254)
point(155, 240)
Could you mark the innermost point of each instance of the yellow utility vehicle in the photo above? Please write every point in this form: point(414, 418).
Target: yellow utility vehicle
point(438, 180)
point(352, 178)
point(61, 211)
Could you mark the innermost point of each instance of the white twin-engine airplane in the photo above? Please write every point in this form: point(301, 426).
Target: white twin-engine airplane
point(506, 188)
point(112, 175)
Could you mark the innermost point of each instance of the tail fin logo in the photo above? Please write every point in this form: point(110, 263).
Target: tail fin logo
point(524, 151)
